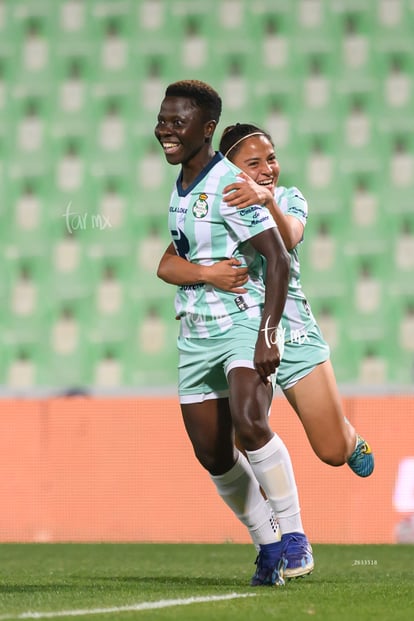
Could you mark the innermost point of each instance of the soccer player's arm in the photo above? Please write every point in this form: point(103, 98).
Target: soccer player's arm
point(270, 244)
point(247, 192)
point(290, 228)
point(225, 274)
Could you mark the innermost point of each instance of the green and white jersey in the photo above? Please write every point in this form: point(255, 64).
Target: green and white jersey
point(297, 316)
point(205, 230)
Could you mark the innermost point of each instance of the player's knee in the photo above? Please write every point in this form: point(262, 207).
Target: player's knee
point(215, 463)
point(253, 434)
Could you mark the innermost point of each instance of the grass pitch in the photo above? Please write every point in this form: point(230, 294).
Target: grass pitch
point(104, 581)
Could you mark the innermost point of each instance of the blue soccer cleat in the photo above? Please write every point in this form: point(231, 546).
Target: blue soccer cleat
point(362, 459)
point(297, 553)
point(269, 566)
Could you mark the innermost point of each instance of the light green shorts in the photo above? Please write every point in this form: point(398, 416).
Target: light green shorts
point(205, 363)
point(301, 356)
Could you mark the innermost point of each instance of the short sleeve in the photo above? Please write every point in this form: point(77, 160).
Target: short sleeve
point(248, 222)
point(292, 203)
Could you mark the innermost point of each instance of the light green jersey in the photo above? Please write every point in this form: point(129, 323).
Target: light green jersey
point(205, 230)
point(297, 316)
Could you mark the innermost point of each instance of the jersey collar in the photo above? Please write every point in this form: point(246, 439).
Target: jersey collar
point(180, 190)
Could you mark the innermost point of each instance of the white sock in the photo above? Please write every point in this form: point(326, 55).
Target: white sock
point(240, 491)
point(273, 469)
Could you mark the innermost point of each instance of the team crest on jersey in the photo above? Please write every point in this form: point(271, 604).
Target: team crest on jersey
point(200, 207)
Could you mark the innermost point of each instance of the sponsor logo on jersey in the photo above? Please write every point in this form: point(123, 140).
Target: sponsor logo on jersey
point(200, 207)
point(245, 212)
point(306, 307)
point(257, 220)
point(241, 303)
point(192, 287)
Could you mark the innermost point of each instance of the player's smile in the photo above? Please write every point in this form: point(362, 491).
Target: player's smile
point(179, 130)
point(257, 158)
point(170, 147)
point(267, 183)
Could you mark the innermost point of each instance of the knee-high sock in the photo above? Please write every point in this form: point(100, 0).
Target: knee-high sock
point(273, 469)
point(240, 491)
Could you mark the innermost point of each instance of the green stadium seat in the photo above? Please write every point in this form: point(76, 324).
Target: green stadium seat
point(27, 223)
point(368, 312)
point(28, 129)
point(111, 126)
point(275, 112)
point(111, 301)
point(403, 243)
point(401, 168)
point(344, 362)
point(358, 135)
point(364, 204)
point(153, 16)
point(397, 84)
point(402, 345)
point(154, 71)
point(393, 23)
point(33, 34)
point(112, 36)
point(391, 15)
point(317, 85)
point(70, 165)
point(365, 223)
point(26, 283)
point(152, 239)
point(365, 269)
point(22, 368)
point(323, 265)
point(26, 298)
point(319, 169)
point(403, 318)
point(331, 312)
point(72, 99)
point(114, 211)
point(68, 341)
point(153, 344)
point(72, 274)
point(173, 30)
point(373, 366)
point(355, 55)
point(273, 27)
point(401, 368)
point(401, 258)
point(72, 20)
point(152, 169)
point(109, 366)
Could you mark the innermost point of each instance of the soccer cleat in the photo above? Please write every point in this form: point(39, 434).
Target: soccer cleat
point(297, 552)
point(269, 566)
point(362, 459)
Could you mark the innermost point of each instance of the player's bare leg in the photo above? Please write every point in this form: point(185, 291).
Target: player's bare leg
point(317, 401)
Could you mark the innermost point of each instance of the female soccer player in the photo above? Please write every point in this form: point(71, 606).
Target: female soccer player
point(228, 343)
point(305, 373)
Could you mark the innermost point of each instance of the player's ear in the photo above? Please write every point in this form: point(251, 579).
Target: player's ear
point(209, 130)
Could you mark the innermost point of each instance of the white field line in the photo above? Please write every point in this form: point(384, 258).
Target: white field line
point(162, 603)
